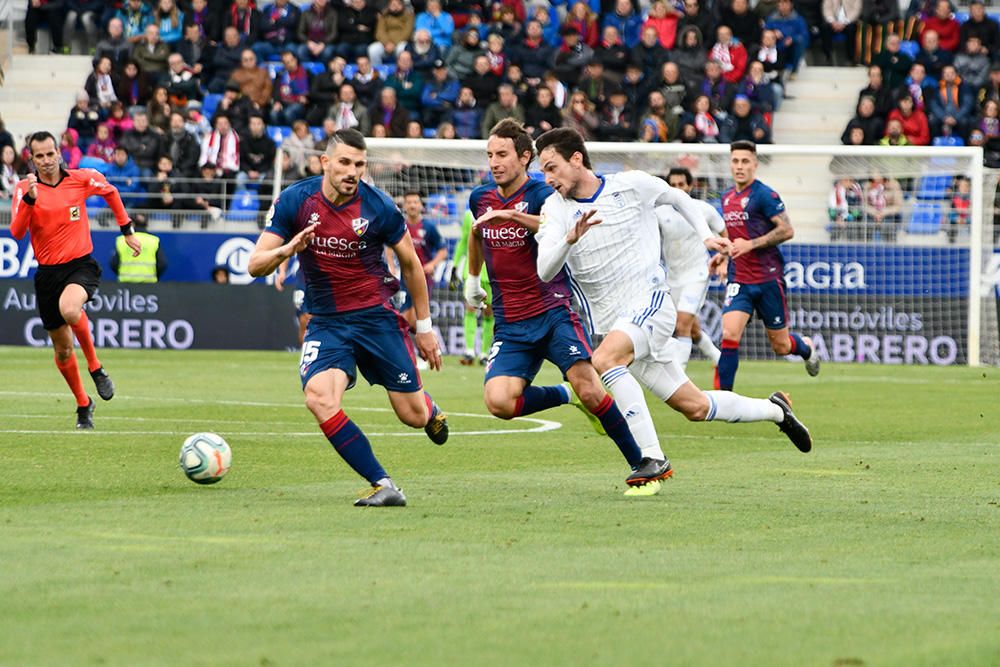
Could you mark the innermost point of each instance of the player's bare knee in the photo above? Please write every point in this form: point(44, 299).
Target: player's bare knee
point(604, 360)
point(63, 352)
point(71, 314)
point(590, 394)
point(502, 407)
point(322, 405)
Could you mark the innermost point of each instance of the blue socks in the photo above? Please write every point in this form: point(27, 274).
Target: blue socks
point(353, 447)
point(615, 424)
point(799, 346)
point(535, 399)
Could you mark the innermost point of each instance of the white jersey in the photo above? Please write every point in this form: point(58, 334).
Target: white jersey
point(683, 252)
point(616, 263)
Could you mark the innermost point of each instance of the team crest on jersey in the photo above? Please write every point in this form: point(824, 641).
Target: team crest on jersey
point(744, 201)
point(313, 218)
point(74, 213)
point(360, 225)
point(618, 199)
point(521, 206)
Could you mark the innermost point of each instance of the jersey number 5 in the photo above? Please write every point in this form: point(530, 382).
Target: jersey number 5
point(309, 353)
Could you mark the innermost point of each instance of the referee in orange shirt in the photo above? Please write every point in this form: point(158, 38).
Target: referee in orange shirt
point(52, 207)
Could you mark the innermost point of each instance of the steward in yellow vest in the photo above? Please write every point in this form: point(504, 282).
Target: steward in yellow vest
point(146, 268)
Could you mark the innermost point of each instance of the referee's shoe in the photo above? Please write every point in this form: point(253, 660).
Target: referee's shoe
point(85, 416)
point(105, 387)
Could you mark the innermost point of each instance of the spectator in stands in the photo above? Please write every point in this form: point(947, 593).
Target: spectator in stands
point(846, 209)
point(951, 107)
point(704, 120)
point(506, 106)
point(550, 26)
point(764, 96)
point(195, 51)
point(991, 89)
point(118, 121)
point(256, 156)
point(317, 32)
point(505, 24)
point(279, 24)
point(876, 17)
point(208, 20)
point(414, 130)
point(114, 46)
point(515, 78)
point(913, 121)
point(467, 116)
point(314, 166)
point(323, 90)
point(932, 56)
point(423, 52)
point(663, 17)
point(151, 54)
point(439, 95)
point(170, 20)
point(878, 91)
point(772, 60)
point(135, 16)
point(730, 54)
point(972, 64)
point(86, 13)
point(159, 109)
point(746, 25)
point(252, 80)
point(649, 54)
point(367, 83)
point(535, 56)
point(125, 175)
point(989, 120)
point(180, 81)
point(745, 124)
point(871, 125)
point(719, 91)
point(894, 134)
point(143, 144)
point(6, 138)
point(944, 24)
point(571, 57)
point(496, 52)
point(673, 89)
point(220, 149)
point(584, 21)
point(438, 23)
point(636, 86)
point(690, 56)
point(611, 53)
point(207, 194)
point(388, 113)
point(236, 107)
point(44, 11)
point(181, 146)
point(626, 21)
point(348, 112)
point(445, 131)
point(982, 26)
point(103, 145)
point(839, 23)
point(695, 15)
point(226, 58)
point(163, 187)
point(407, 83)
point(960, 199)
point(101, 84)
point(542, 115)
point(355, 29)
point(11, 171)
point(792, 33)
point(461, 59)
point(883, 204)
point(594, 83)
point(660, 123)
point(580, 115)
point(393, 30)
point(243, 16)
point(84, 118)
point(915, 84)
point(68, 149)
point(290, 92)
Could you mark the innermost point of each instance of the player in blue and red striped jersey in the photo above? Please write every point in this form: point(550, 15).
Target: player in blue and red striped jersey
point(338, 226)
point(757, 224)
point(427, 241)
point(534, 321)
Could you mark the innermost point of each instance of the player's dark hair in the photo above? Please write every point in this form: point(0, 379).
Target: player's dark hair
point(509, 128)
point(41, 136)
point(412, 193)
point(348, 136)
point(743, 145)
point(565, 141)
point(681, 171)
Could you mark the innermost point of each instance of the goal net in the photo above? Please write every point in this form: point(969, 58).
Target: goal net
point(894, 260)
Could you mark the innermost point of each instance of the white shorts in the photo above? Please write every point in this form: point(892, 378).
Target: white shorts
point(649, 323)
point(663, 379)
point(689, 292)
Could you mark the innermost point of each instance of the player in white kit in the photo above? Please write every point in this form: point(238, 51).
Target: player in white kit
point(613, 256)
point(687, 268)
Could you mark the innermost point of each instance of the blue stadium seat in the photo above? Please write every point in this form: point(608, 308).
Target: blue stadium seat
point(273, 69)
point(243, 207)
point(910, 48)
point(95, 203)
point(317, 133)
point(385, 71)
point(273, 58)
point(210, 104)
point(430, 132)
point(933, 188)
point(314, 68)
point(948, 141)
point(961, 17)
point(536, 175)
point(350, 71)
point(925, 218)
point(95, 163)
point(278, 133)
point(160, 217)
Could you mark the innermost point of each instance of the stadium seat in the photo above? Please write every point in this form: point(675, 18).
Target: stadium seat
point(430, 132)
point(94, 203)
point(350, 71)
point(314, 68)
point(910, 48)
point(385, 71)
point(273, 69)
point(210, 104)
point(961, 17)
point(948, 141)
point(278, 133)
point(94, 163)
point(243, 207)
point(273, 58)
point(317, 133)
point(925, 218)
point(933, 188)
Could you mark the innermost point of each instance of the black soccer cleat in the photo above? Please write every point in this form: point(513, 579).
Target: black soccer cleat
point(382, 496)
point(85, 416)
point(649, 470)
point(105, 387)
point(437, 426)
point(790, 425)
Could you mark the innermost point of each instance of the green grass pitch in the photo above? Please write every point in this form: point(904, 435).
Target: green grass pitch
point(881, 547)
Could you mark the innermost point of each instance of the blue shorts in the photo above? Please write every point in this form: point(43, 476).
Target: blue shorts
point(376, 340)
point(519, 348)
point(765, 299)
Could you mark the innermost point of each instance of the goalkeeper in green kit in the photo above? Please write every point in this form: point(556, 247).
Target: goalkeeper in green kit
point(461, 267)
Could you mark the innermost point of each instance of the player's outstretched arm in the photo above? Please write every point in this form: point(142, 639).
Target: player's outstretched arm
point(416, 284)
point(782, 232)
point(270, 252)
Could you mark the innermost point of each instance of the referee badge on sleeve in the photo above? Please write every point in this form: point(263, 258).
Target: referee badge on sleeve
point(74, 213)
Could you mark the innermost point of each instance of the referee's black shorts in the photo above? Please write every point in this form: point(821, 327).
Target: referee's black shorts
point(51, 280)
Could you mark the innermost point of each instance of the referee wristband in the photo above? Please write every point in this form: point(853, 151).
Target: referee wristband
point(424, 326)
point(127, 229)
point(29, 200)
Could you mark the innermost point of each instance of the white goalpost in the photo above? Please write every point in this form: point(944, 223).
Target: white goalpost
point(893, 260)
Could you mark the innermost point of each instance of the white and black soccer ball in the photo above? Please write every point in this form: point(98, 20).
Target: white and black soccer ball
point(205, 458)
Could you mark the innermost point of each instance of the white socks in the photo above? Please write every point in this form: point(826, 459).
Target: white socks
point(707, 347)
point(632, 403)
point(730, 407)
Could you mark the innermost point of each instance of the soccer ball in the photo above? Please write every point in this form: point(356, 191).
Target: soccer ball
point(205, 458)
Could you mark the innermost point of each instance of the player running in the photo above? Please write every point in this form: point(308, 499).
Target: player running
point(534, 320)
point(687, 268)
point(757, 224)
point(461, 268)
point(427, 242)
point(51, 206)
point(599, 227)
point(338, 224)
